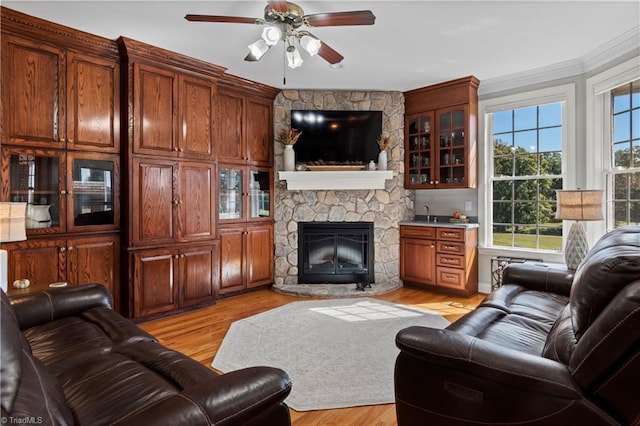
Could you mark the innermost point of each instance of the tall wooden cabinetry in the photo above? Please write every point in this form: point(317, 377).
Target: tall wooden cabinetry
point(60, 151)
point(171, 242)
point(244, 148)
point(441, 135)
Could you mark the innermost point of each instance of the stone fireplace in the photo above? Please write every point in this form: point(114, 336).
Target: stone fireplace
point(384, 208)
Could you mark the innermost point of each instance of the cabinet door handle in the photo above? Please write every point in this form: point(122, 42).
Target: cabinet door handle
point(69, 192)
point(63, 140)
point(450, 277)
point(179, 201)
point(449, 234)
point(181, 149)
point(63, 249)
point(437, 182)
point(63, 192)
point(182, 255)
point(175, 149)
point(432, 245)
point(449, 247)
point(70, 248)
point(175, 202)
point(175, 256)
point(70, 141)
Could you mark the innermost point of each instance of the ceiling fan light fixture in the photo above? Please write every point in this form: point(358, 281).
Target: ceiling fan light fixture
point(294, 59)
point(258, 49)
point(271, 35)
point(310, 44)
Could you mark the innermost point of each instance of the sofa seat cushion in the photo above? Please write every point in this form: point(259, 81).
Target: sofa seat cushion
point(95, 332)
point(514, 317)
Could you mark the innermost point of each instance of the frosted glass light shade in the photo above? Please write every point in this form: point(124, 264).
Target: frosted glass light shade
point(271, 35)
point(294, 59)
point(579, 204)
point(310, 44)
point(258, 49)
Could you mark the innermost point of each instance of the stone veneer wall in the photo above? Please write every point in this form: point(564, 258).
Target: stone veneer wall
point(384, 207)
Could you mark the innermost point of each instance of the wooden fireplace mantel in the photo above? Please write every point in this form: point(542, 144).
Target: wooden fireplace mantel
point(321, 180)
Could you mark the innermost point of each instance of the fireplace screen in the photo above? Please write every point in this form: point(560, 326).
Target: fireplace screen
point(332, 252)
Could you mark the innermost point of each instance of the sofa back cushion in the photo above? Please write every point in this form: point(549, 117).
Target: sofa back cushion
point(28, 389)
point(611, 265)
point(10, 366)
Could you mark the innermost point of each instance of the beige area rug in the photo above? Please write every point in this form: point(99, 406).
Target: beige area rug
point(338, 352)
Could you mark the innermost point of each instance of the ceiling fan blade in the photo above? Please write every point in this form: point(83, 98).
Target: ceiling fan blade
point(359, 17)
point(215, 18)
point(278, 6)
point(328, 54)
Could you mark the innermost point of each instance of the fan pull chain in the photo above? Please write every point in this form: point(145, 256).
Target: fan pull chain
point(284, 64)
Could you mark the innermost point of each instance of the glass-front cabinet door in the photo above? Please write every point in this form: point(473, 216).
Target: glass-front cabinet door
point(92, 191)
point(244, 193)
point(64, 192)
point(230, 193)
point(259, 193)
point(36, 177)
point(452, 155)
point(419, 153)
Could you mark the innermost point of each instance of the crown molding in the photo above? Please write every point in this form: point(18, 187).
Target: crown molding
point(602, 55)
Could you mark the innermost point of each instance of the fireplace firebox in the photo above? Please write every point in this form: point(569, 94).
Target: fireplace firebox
point(335, 252)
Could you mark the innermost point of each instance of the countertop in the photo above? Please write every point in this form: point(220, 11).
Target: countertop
point(439, 224)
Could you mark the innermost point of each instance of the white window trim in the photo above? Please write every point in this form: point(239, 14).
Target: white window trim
point(598, 143)
point(564, 93)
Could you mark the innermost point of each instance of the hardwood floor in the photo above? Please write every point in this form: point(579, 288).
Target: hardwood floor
point(199, 334)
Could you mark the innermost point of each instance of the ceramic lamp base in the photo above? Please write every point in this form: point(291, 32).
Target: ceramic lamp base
point(577, 246)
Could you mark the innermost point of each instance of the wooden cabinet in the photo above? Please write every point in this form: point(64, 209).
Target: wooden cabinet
point(54, 97)
point(245, 134)
point(66, 191)
point(60, 143)
point(246, 257)
point(173, 113)
point(441, 258)
point(167, 279)
point(81, 260)
point(175, 202)
point(418, 254)
point(172, 250)
point(440, 135)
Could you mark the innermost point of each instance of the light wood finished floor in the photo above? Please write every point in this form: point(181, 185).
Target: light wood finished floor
point(199, 334)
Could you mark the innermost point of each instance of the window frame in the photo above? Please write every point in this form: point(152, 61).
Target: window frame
point(599, 134)
point(566, 94)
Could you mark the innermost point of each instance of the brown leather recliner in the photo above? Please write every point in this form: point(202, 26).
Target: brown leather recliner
point(69, 359)
point(547, 348)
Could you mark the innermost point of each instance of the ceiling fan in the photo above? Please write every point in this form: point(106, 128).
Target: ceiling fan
point(283, 21)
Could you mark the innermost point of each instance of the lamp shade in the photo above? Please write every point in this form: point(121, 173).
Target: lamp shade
point(12, 222)
point(579, 204)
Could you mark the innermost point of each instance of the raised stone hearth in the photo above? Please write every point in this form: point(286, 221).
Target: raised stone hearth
point(335, 290)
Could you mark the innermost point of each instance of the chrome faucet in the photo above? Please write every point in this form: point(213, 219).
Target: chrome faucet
point(428, 212)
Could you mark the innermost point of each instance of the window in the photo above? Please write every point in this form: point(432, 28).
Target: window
point(623, 185)
point(527, 169)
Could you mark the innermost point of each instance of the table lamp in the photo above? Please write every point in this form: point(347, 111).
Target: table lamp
point(12, 228)
point(578, 205)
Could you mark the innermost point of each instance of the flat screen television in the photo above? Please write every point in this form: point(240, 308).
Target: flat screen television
point(337, 137)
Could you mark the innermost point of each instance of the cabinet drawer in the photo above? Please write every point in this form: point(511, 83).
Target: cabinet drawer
point(448, 277)
point(450, 261)
point(450, 247)
point(417, 231)
point(450, 234)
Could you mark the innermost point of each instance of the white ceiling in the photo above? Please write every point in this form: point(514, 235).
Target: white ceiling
point(412, 44)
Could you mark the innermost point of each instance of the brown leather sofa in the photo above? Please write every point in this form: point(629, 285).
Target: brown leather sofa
point(69, 359)
point(549, 347)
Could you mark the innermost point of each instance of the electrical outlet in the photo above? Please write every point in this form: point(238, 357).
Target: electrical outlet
point(467, 206)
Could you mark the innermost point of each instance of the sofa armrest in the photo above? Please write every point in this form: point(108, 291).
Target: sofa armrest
point(539, 276)
point(43, 306)
point(485, 360)
point(234, 398)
